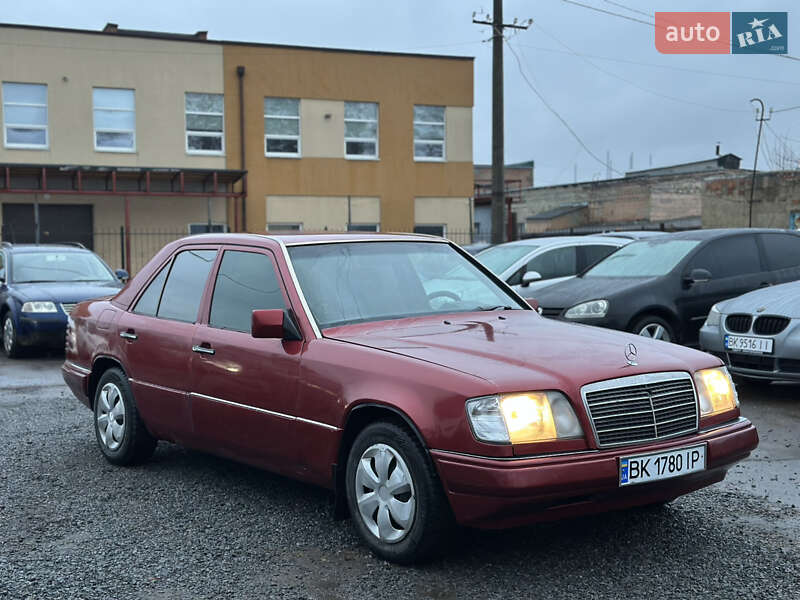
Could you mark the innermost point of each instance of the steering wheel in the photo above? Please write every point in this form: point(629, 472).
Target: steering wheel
point(444, 294)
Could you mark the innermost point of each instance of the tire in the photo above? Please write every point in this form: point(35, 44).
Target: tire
point(8, 333)
point(121, 435)
point(654, 327)
point(417, 515)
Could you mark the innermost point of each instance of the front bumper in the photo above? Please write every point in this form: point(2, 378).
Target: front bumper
point(498, 493)
point(42, 329)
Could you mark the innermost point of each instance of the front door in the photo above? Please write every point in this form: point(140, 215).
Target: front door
point(243, 389)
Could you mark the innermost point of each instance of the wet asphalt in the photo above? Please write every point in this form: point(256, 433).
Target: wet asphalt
point(189, 525)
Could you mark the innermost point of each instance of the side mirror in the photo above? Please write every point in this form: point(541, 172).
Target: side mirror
point(530, 277)
point(274, 323)
point(697, 276)
point(122, 275)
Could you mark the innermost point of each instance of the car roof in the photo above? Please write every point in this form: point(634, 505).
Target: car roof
point(44, 248)
point(298, 239)
point(710, 234)
point(562, 239)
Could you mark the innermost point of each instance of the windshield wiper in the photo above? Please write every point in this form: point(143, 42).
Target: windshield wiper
point(491, 308)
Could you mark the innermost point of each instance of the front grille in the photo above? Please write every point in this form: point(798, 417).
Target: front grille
point(738, 323)
point(551, 312)
point(770, 325)
point(752, 361)
point(641, 408)
point(68, 307)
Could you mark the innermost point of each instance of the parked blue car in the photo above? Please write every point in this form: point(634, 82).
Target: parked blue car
point(40, 285)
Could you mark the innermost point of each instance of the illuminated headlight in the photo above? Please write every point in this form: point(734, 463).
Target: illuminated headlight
point(39, 307)
point(715, 391)
point(523, 418)
point(714, 316)
point(594, 309)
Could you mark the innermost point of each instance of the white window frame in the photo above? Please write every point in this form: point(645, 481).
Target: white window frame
point(281, 225)
point(443, 141)
point(299, 153)
point(205, 224)
point(221, 134)
point(376, 120)
point(97, 148)
point(46, 126)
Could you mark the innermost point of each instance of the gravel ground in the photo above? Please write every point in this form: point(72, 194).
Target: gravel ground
point(188, 525)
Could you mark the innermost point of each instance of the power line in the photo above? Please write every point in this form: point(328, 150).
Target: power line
point(785, 109)
point(634, 10)
point(555, 112)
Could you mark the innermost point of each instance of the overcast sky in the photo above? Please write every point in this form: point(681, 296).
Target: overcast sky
point(619, 96)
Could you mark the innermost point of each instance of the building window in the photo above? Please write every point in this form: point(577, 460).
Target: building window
point(284, 227)
point(440, 230)
point(429, 132)
point(195, 228)
point(25, 115)
point(363, 227)
point(114, 120)
point(204, 123)
point(361, 130)
point(282, 127)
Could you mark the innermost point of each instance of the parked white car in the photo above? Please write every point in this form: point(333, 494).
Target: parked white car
point(535, 263)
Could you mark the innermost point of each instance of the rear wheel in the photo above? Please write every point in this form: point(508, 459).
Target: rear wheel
point(121, 434)
point(394, 495)
point(654, 327)
point(10, 345)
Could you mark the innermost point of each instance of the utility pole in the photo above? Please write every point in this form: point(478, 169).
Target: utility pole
point(760, 118)
point(498, 142)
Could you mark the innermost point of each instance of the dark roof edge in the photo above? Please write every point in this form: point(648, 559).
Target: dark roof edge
point(178, 37)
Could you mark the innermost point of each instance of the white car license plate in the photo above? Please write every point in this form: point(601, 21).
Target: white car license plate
point(641, 468)
point(742, 343)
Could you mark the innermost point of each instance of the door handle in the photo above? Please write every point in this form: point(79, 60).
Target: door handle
point(203, 350)
point(128, 335)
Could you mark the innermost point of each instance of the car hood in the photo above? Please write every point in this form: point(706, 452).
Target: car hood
point(781, 300)
point(66, 292)
point(579, 289)
point(518, 350)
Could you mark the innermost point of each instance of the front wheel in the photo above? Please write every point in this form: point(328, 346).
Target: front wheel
point(10, 344)
point(394, 495)
point(654, 327)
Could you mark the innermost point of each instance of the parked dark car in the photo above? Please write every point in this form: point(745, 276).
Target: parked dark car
point(40, 285)
point(338, 360)
point(664, 287)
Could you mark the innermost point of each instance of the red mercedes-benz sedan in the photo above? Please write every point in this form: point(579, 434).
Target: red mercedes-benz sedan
point(400, 373)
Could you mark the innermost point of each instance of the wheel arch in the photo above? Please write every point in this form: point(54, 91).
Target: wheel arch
point(658, 311)
point(100, 365)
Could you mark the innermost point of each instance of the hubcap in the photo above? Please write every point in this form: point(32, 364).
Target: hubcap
point(8, 335)
point(111, 416)
point(655, 331)
point(385, 493)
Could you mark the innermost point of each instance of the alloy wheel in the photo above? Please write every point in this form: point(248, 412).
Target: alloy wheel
point(385, 493)
point(655, 331)
point(111, 416)
point(8, 336)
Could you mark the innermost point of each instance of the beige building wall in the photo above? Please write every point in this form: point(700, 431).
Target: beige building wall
point(319, 213)
point(458, 133)
point(453, 213)
point(322, 128)
point(72, 63)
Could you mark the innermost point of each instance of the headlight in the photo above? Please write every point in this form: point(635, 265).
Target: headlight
point(523, 418)
point(716, 391)
point(594, 309)
point(714, 316)
point(39, 307)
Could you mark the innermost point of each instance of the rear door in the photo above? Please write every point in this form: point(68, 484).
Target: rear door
point(157, 341)
point(736, 268)
point(243, 391)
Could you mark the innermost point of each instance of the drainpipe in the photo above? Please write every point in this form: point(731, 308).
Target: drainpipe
point(240, 74)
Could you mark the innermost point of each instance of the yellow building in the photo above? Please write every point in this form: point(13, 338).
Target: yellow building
point(144, 131)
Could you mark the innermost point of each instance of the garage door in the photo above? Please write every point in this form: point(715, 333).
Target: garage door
point(58, 223)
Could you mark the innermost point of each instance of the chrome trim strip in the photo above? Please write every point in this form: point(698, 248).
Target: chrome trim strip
point(156, 386)
point(265, 411)
point(78, 368)
point(515, 458)
point(298, 289)
point(633, 380)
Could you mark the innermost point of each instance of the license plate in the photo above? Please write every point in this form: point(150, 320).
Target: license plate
point(742, 343)
point(641, 468)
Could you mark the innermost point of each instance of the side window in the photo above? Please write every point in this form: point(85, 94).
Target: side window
point(559, 262)
point(246, 281)
point(594, 253)
point(782, 250)
point(2, 267)
point(729, 257)
point(148, 301)
point(184, 288)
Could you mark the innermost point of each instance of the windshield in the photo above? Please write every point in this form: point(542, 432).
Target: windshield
point(372, 281)
point(67, 267)
point(647, 258)
point(500, 258)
